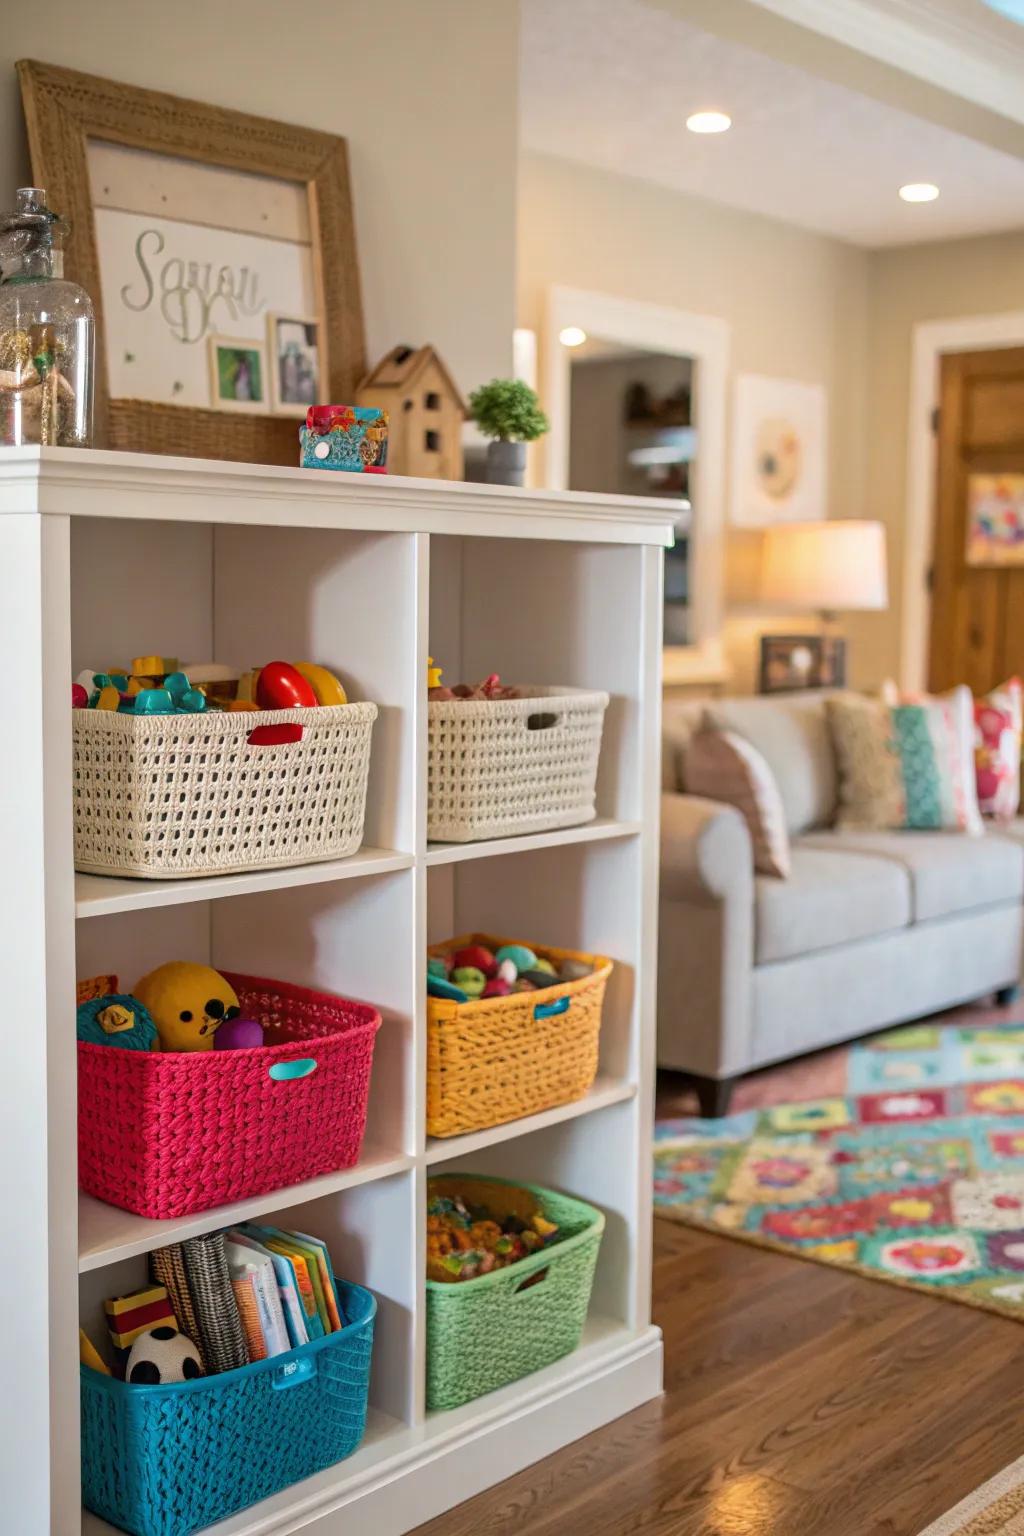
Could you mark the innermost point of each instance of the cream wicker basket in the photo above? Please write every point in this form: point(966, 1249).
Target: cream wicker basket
point(171, 796)
point(505, 766)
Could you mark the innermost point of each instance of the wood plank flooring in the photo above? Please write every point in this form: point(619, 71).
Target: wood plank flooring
point(799, 1401)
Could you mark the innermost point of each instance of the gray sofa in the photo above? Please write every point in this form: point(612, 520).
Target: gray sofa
point(871, 929)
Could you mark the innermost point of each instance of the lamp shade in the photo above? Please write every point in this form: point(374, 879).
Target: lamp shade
point(832, 566)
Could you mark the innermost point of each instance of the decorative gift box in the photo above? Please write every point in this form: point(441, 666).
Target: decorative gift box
point(349, 437)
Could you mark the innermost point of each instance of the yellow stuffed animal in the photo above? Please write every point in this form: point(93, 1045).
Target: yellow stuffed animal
point(188, 1004)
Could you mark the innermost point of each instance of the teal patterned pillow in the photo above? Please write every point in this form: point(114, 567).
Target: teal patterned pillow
point(907, 765)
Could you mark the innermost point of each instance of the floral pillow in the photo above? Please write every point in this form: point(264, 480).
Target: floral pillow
point(998, 722)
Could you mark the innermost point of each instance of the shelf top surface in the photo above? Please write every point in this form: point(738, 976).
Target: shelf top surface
point(100, 483)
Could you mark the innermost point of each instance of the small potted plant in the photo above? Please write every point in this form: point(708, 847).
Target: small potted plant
point(508, 411)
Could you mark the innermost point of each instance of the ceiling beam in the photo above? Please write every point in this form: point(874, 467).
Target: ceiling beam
point(954, 76)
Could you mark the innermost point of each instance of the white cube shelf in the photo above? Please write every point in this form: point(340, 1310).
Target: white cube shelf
point(106, 554)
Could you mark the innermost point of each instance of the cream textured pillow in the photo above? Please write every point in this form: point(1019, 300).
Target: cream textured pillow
point(722, 766)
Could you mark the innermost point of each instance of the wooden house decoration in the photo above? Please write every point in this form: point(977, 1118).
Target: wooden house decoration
point(426, 412)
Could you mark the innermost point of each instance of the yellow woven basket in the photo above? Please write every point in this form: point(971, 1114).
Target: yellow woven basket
point(501, 1058)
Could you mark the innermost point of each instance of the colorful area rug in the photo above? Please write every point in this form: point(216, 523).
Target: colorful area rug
point(996, 1509)
point(913, 1174)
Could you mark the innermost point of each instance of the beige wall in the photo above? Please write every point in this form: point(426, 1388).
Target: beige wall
point(909, 285)
point(424, 93)
point(796, 303)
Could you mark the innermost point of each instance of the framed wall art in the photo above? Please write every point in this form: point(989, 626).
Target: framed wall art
point(220, 252)
point(779, 451)
point(995, 519)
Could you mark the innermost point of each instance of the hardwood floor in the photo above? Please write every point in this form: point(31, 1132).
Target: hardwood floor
point(799, 1401)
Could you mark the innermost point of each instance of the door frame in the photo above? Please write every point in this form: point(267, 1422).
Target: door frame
point(932, 340)
point(658, 329)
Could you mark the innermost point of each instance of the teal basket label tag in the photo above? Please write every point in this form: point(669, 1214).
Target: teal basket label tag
point(293, 1374)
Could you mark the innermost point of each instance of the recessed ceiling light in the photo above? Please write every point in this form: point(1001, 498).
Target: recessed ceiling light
point(572, 336)
point(919, 192)
point(708, 122)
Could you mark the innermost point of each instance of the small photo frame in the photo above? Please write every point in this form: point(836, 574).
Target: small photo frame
point(296, 365)
point(238, 374)
point(792, 663)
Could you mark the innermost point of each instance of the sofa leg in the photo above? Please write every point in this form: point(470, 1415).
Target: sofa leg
point(1007, 996)
point(713, 1095)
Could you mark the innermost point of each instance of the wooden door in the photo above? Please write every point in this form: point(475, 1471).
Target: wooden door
point(977, 624)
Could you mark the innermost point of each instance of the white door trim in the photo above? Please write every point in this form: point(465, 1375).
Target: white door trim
point(931, 341)
point(658, 329)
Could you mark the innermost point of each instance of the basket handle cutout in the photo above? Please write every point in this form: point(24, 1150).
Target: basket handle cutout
point(293, 1374)
point(531, 1280)
point(288, 1071)
point(275, 735)
point(549, 1010)
point(542, 722)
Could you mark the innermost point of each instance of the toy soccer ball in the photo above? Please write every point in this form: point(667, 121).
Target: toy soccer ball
point(161, 1356)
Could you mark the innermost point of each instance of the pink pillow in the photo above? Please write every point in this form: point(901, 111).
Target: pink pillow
point(722, 766)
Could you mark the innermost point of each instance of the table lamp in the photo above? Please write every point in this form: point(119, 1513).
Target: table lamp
point(830, 567)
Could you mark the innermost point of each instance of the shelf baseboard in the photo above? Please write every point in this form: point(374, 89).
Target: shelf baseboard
point(97, 895)
point(605, 1091)
point(403, 1475)
point(107, 1234)
point(590, 832)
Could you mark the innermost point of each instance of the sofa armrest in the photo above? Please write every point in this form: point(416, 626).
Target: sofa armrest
point(706, 938)
point(706, 851)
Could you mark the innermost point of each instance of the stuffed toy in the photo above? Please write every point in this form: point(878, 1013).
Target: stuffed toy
point(188, 1003)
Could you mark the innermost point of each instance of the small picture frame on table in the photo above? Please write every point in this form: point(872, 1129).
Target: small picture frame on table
point(793, 663)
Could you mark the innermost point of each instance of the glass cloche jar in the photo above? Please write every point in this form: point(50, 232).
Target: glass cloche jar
point(46, 332)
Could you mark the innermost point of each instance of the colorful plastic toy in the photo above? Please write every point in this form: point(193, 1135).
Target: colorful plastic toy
point(280, 686)
point(324, 684)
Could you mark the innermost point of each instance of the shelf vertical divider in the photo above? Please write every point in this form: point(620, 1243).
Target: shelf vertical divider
point(38, 1096)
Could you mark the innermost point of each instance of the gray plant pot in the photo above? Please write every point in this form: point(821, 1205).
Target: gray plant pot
point(506, 462)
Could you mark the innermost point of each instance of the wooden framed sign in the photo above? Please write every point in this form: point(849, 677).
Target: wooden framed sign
point(219, 250)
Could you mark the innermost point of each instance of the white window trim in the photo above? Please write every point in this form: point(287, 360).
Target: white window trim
point(705, 338)
point(932, 340)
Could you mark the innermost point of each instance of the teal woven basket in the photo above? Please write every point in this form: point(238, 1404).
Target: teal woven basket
point(484, 1333)
point(165, 1461)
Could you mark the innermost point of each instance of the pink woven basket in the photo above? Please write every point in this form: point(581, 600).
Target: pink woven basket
point(167, 1134)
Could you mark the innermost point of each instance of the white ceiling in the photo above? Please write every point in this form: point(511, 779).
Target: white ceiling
point(611, 83)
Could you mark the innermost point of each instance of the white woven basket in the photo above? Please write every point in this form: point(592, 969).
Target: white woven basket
point(169, 796)
point(506, 766)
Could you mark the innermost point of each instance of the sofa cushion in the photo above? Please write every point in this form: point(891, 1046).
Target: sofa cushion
point(1013, 829)
point(830, 898)
point(793, 736)
point(949, 871)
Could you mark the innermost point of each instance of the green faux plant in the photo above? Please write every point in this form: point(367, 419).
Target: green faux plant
point(508, 409)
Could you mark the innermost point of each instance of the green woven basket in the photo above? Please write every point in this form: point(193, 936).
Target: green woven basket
point(484, 1333)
